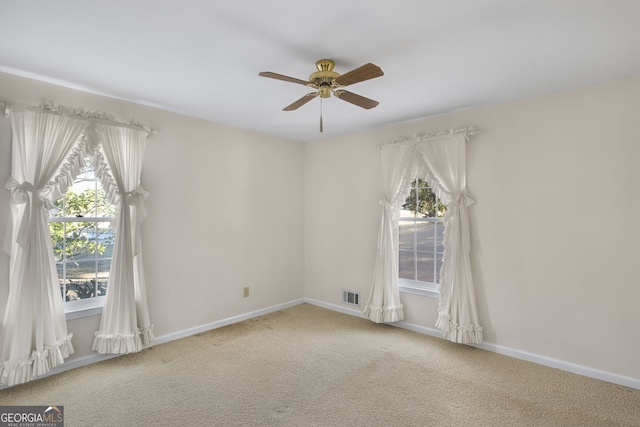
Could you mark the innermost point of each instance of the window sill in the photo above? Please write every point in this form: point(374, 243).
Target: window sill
point(83, 308)
point(418, 288)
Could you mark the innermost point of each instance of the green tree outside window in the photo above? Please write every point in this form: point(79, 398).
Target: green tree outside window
point(423, 202)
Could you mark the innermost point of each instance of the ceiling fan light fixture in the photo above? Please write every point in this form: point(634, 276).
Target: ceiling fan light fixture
point(325, 90)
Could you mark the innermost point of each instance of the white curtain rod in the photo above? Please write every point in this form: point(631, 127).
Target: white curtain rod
point(469, 131)
point(97, 117)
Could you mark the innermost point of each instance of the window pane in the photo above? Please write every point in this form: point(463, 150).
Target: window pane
point(56, 230)
point(406, 213)
point(439, 258)
point(101, 239)
point(79, 243)
point(426, 236)
point(425, 267)
point(406, 265)
point(440, 237)
point(60, 205)
point(80, 200)
point(426, 201)
point(103, 276)
point(86, 196)
point(421, 262)
point(104, 207)
point(81, 280)
point(59, 268)
point(406, 230)
point(408, 209)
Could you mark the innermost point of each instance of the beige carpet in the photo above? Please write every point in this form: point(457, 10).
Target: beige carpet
point(307, 366)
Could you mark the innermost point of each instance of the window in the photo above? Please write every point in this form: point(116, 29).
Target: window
point(420, 240)
point(83, 241)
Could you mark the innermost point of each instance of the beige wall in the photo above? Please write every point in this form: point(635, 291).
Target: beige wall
point(226, 211)
point(554, 240)
point(554, 231)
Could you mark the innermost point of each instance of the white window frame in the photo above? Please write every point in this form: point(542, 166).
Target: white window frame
point(417, 287)
point(88, 306)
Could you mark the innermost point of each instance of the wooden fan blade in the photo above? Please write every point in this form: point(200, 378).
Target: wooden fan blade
point(360, 74)
point(281, 77)
point(355, 99)
point(300, 102)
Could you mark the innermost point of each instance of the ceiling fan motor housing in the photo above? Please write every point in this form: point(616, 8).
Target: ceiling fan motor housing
point(323, 79)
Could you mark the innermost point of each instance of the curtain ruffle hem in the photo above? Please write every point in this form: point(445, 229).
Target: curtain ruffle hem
point(454, 332)
point(22, 371)
point(123, 343)
point(384, 314)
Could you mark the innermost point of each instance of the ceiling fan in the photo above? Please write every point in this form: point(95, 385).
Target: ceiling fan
point(327, 82)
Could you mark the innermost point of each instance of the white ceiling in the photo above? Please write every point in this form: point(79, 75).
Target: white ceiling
point(202, 57)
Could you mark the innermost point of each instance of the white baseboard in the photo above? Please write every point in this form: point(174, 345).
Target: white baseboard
point(518, 354)
point(530, 357)
point(335, 307)
point(95, 358)
point(562, 365)
point(225, 322)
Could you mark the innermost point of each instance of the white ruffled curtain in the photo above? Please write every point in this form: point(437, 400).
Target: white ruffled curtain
point(34, 335)
point(125, 326)
point(384, 303)
point(48, 149)
point(445, 158)
point(441, 159)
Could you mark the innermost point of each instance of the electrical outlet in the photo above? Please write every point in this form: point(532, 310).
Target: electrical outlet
point(245, 292)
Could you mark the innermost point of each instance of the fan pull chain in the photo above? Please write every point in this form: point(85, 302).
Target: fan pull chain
point(320, 115)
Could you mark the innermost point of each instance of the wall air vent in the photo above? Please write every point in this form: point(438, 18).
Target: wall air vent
point(350, 297)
